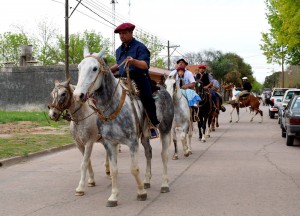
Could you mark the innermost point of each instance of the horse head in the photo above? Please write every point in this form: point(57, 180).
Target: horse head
point(61, 99)
point(171, 85)
point(92, 69)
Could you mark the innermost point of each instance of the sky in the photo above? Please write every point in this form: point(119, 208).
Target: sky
point(193, 25)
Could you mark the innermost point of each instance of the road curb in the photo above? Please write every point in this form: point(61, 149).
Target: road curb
point(18, 159)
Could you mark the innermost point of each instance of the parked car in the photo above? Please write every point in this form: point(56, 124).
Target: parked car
point(288, 95)
point(291, 120)
point(276, 99)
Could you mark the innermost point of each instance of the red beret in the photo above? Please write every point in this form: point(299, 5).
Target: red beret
point(124, 27)
point(202, 66)
point(180, 68)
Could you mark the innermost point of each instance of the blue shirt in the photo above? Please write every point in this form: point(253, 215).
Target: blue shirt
point(136, 50)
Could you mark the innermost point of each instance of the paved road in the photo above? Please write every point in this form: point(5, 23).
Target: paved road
point(243, 169)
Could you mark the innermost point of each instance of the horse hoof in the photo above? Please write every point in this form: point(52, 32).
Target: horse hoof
point(175, 157)
point(146, 185)
point(79, 193)
point(230, 121)
point(107, 173)
point(186, 155)
point(111, 203)
point(203, 141)
point(237, 121)
point(164, 190)
point(92, 184)
point(213, 129)
point(217, 125)
point(141, 197)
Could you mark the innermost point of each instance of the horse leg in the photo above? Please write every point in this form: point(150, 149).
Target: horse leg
point(85, 164)
point(107, 169)
point(233, 108)
point(238, 114)
point(165, 139)
point(209, 120)
point(148, 154)
point(217, 120)
point(190, 134)
point(183, 137)
point(212, 125)
point(175, 155)
point(135, 171)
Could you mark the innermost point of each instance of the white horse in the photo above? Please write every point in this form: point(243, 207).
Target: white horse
point(122, 120)
point(182, 117)
point(83, 128)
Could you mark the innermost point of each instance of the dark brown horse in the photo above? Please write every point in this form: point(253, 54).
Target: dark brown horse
point(206, 111)
point(249, 100)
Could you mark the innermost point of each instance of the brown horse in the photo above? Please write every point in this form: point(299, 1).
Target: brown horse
point(248, 100)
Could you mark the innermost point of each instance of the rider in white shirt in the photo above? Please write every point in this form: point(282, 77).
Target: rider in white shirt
point(188, 78)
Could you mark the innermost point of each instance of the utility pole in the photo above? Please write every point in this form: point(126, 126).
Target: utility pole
point(113, 21)
point(169, 55)
point(67, 39)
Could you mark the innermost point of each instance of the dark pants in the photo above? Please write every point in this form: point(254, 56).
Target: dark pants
point(144, 86)
point(214, 97)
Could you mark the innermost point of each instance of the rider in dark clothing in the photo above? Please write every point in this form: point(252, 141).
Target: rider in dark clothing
point(246, 89)
point(206, 80)
point(137, 56)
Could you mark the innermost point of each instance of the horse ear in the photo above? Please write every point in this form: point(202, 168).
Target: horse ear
point(86, 51)
point(101, 53)
point(56, 82)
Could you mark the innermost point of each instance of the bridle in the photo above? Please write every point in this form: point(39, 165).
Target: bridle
point(62, 105)
point(123, 95)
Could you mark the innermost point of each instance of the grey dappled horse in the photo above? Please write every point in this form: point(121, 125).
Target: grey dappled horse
point(182, 117)
point(83, 127)
point(122, 120)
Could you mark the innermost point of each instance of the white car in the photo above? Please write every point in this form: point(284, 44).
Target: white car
point(276, 100)
point(288, 95)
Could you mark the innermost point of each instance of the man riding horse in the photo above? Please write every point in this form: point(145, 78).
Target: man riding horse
point(187, 85)
point(206, 80)
point(137, 56)
point(246, 89)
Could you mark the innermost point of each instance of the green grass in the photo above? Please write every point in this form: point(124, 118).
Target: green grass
point(21, 143)
point(28, 143)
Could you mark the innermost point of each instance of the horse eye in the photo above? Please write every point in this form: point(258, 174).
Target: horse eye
point(95, 69)
point(63, 94)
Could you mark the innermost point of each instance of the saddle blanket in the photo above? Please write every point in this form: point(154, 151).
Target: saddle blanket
point(191, 96)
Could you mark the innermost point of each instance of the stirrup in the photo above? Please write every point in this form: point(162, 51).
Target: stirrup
point(153, 132)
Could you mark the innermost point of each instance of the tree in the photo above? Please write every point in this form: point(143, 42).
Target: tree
point(46, 43)
point(94, 41)
point(10, 46)
point(155, 47)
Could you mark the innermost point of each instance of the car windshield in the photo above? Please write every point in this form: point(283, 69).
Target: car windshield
point(279, 93)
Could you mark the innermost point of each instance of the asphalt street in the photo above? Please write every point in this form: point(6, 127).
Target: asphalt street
point(243, 169)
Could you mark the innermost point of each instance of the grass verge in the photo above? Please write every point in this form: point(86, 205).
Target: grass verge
point(29, 132)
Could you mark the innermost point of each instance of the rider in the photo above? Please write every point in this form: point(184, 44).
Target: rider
point(187, 83)
point(246, 89)
point(206, 79)
point(188, 77)
point(137, 57)
point(216, 88)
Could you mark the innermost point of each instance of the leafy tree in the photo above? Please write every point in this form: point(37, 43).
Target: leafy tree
point(10, 46)
point(155, 47)
point(94, 41)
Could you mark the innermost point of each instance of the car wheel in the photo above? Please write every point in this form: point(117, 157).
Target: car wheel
point(283, 133)
point(289, 140)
